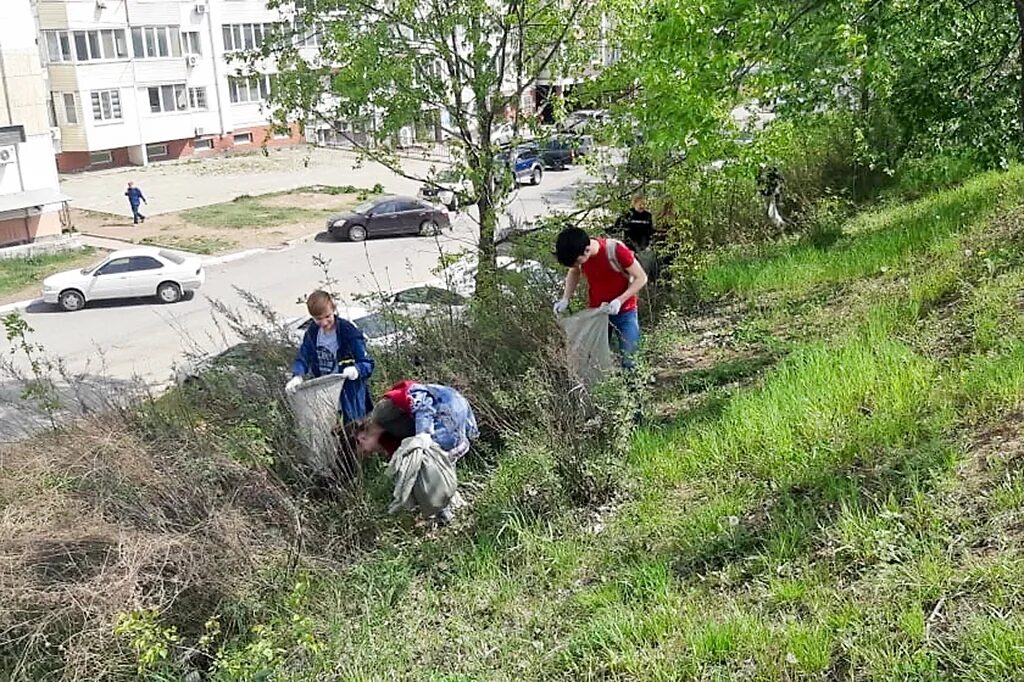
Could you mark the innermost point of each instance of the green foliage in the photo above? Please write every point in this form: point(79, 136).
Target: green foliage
point(151, 642)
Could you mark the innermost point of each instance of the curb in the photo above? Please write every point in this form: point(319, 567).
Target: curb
point(18, 306)
point(231, 257)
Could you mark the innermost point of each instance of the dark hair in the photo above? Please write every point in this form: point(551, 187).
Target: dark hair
point(572, 242)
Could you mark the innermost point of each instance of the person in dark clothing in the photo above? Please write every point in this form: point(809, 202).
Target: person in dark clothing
point(135, 199)
point(637, 226)
point(333, 345)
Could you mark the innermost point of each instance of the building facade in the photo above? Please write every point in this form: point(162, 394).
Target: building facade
point(31, 203)
point(134, 81)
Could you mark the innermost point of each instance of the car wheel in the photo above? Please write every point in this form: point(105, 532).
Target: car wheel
point(428, 228)
point(536, 176)
point(71, 300)
point(168, 292)
point(356, 233)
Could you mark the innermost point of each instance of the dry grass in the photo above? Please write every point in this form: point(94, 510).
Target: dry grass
point(96, 521)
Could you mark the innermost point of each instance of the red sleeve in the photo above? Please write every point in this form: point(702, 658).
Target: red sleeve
point(624, 256)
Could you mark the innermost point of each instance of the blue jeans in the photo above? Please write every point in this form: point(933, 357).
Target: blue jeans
point(136, 215)
point(628, 327)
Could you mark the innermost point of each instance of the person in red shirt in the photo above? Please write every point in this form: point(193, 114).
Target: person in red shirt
point(613, 281)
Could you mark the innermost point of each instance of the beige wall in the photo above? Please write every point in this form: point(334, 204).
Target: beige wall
point(21, 230)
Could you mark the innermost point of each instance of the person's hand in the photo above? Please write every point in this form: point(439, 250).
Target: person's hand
point(292, 385)
point(612, 307)
point(561, 306)
point(350, 373)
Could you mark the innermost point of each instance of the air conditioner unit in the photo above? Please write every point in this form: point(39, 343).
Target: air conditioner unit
point(200, 8)
point(191, 60)
point(6, 155)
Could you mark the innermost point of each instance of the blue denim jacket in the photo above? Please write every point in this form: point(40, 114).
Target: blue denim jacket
point(445, 415)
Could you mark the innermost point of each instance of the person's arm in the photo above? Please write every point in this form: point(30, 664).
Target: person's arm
point(638, 280)
point(572, 280)
point(142, 197)
point(423, 411)
point(300, 367)
point(363, 361)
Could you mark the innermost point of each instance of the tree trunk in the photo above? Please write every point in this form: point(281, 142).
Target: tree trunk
point(1019, 6)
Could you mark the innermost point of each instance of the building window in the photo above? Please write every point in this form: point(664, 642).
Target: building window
point(282, 135)
point(167, 98)
point(84, 46)
point(155, 42)
point(156, 151)
point(306, 36)
point(197, 98)
point(243, 138)
point(190, 43)
point(200, 145)
point(245, 36)
point(99, 158)
point(70, 109)
point(106, 105)
point(243, 89)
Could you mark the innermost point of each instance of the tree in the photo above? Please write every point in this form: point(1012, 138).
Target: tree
point(461, 63)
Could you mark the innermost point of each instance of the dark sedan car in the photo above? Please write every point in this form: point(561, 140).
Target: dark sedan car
point(564, 150)
point(388, 216)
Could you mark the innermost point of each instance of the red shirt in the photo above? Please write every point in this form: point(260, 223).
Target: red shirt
point(604, 282)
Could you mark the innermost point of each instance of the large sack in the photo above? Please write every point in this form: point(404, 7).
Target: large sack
point(424, 476)
point(315, 406)
point(590, 357)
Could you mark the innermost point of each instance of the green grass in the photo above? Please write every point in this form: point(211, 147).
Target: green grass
point(247, 212)
point(21, 273)
point(202, 245)
point(831, 518)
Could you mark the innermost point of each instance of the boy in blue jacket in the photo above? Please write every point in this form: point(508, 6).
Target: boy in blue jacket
point(335, 346)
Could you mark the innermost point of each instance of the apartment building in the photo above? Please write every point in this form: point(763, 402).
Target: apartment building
point(135, 81)
point(30, 197)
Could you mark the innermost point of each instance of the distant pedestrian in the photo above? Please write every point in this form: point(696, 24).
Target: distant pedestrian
point(637, 225)
point(135, 199)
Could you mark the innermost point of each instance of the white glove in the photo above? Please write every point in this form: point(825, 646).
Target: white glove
point(350, 373)
point(612, 307)
point(292, 385)
point(561, 306)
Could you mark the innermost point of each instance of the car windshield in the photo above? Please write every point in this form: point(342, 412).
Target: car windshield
point(365, 207)
point(375, 326)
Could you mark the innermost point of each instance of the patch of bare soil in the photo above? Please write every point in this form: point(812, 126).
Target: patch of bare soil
point(316, 201)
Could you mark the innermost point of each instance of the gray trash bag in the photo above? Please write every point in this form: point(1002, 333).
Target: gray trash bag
point(590, 357)
point(315, 406)
point(424, 477)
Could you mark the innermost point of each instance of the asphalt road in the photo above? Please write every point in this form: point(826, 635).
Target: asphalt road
point(110, 343)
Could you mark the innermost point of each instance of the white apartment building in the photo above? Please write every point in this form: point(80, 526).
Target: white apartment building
point(30, 198)
point(134, 81)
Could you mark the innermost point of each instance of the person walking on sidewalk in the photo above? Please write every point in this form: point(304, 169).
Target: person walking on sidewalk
point(614, 278)
point(135, 199)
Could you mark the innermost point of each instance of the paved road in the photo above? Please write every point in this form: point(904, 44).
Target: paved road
point(118, 341)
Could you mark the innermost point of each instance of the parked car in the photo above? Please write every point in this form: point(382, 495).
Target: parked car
point(448, 189)
point(131, 273)
point(564, 150)
point(584, 120)
point(388, 216)
point(523, 163)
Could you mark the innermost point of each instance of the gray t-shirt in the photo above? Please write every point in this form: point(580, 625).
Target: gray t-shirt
point(327, 351)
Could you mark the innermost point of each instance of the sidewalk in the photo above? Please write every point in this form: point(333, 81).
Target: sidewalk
point(174, 186)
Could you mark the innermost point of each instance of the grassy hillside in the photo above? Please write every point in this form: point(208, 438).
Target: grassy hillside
point(835, 489)
point(830, 487)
